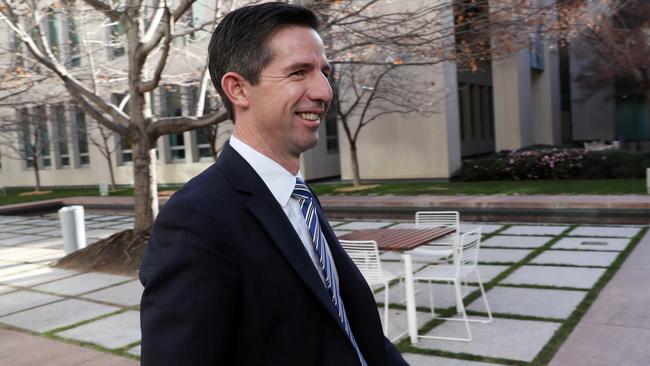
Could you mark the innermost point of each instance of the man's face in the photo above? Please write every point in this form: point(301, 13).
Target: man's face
point(293, 93)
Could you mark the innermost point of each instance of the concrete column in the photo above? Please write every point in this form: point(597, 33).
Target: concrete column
point(547, 124)
point(513, 112)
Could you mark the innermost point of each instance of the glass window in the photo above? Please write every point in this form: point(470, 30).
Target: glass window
point(82, 136)
point(74, 54)
point(116, 40)
point(62, 135)
point(52, 32)
point(26, 138)
point(43, 135)
point(127, 150)
point(171, 98)
point(331, 130)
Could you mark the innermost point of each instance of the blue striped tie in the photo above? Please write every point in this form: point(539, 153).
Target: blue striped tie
point(305, 199)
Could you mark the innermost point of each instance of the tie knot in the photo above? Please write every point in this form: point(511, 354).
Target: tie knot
point(301, 191)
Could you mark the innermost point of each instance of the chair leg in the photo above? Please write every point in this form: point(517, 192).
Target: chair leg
point(461, 309)
point(433, 312)
point(485, 302)
point(386, 298)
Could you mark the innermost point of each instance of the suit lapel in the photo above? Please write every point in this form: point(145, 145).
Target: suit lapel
point(272, 218)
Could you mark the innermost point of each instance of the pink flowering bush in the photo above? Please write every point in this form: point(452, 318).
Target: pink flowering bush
point(552, 163)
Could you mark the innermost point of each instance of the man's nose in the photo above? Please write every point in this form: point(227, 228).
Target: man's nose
point(320, 89)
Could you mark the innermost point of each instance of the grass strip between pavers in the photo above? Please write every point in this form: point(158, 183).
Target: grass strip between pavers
point(553, 345)
point(548, 351)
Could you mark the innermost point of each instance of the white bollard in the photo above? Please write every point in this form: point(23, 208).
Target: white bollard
point(103, 189)
point(73, 228)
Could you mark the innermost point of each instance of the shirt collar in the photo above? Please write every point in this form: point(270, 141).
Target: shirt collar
point(279, 180)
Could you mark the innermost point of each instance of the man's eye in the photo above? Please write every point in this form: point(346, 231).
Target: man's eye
point(298, 73)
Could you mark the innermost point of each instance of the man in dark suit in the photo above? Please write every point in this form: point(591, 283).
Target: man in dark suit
point(242, 267)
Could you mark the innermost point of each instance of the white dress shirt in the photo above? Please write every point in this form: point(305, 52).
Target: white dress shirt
point(281, 184)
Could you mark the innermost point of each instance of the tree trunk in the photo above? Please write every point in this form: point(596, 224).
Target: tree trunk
point(110, 170)
point(356, 178)
point(37, 174)
point(145, 192)
point(647, 103)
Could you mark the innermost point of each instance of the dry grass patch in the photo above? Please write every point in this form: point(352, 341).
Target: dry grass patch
point(33, 193)
point(356, 188)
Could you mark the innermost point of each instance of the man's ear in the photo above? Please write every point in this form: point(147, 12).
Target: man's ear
point(235, 87)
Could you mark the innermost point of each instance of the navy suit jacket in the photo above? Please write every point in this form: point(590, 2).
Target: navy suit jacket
point(228, 282)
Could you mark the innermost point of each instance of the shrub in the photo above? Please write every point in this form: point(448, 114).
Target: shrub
point(545, 162)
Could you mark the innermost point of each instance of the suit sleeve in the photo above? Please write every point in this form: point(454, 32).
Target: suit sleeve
point(393, 356)
point(189, 307)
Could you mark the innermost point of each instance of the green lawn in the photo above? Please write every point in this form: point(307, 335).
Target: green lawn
point(596, 186)
point(14, 194)
point(606, 186)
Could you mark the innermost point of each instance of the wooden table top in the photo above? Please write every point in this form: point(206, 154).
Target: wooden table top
point(398, 239)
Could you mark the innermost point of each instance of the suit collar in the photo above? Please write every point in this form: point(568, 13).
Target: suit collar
point(269, 214)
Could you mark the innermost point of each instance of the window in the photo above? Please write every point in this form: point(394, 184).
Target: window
point(52, 32)
point(61, 135)
point(205, 135)
point(116, 40)
point(82, 136)
point(171, 101)
point(25, 137)
point(127, 150)
point(74, 54)
point(331, 131)
point(42, 135)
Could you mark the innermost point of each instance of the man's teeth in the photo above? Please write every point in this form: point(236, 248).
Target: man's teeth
point(308, 116)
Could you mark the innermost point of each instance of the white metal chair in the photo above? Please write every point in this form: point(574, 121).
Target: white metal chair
point(440, 219)
point(366, 257)
point(464, 263)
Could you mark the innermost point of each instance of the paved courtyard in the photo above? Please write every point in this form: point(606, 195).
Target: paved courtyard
point(537, 276)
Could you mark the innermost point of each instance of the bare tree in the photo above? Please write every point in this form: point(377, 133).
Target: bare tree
point(615, 39)
point(150, 29)
point(26, 138)
point(372, 43)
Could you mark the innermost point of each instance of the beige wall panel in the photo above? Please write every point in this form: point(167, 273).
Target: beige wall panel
point(547, 125)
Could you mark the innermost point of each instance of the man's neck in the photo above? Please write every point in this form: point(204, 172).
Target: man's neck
point(288, 162)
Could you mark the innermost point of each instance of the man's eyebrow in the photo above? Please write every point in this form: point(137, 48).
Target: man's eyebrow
point(299, 65)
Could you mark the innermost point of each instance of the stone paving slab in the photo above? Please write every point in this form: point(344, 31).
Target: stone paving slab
point(425, 360)
point(516, 241)
point(575, 277)
point(36, 276)
point(22, 239)
point(127, 294)
point(16, 268)
point(596, 344)
point(443, 295)
point(100, 233)
point(361, 225)
point(535, 230)
point(341, 232)
point(45, 242)
point(606, 244)
point(44, 222)
point(17, 349)
point(59, 314)
point(82, 283)
point(576, 258)
point(109, 218)
point(485, 228)
point(6, 289)
point(504, 338)
point(606, 231)
point(543, 303)
point(56, 232)
point(27, 253)
point(397, 322)
point(15, 228)
point(22, 300)
point(36, 230)
point(125, 226)
point(99, 225)
point(4, 235)
point(112, 332)
point(10, 219)
point(494, 255)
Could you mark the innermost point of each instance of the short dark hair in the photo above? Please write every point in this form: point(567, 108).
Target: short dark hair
point(239, 43)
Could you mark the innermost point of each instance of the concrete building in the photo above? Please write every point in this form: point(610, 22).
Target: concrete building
point(523, 99)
